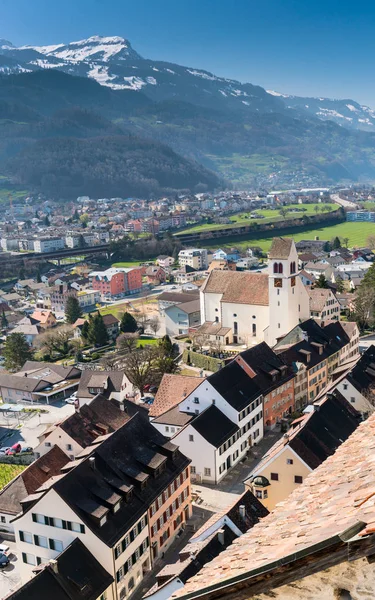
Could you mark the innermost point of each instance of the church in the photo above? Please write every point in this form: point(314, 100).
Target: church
point(248, 308)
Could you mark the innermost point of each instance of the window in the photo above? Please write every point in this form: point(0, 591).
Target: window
point(345, 386)
point(254, 328)
point(56, 545)
point(3, 519)
point(191, 438)
point(352, 399)
point(192, 470)
point(166, 428)
point(47, 444)
point(196, 400)
point(25, 536)
point(40, 540)
point(207, 472)
point(39, 519)
point(274, 476)
point(69, 447)
point(29, 559)
point(258, 494)
point(298, 479)
point(289, 461)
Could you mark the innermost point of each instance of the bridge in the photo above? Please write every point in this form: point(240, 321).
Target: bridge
point(23, 257)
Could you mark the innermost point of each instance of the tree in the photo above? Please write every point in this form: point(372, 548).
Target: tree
point(317, 208)
point(346, 241)
point(283, 211)
point(39, 276)
point(56, 341)
point(166, 344)
point(21, 273)
point(154, 324)
point(327, 247)
point(321, 282)
point(72, 310)
point(46, 221)
point(364, 307)
point(370, 241)
point(339, 284)
point(84, 219)
point(4, 320)
point(85, 330)
point(75, 215)
point(97, 334)
point(127, 341)
point(336, 244)
point(81, 241)
point(139, 367)
point(128, 323)
point(16, 352)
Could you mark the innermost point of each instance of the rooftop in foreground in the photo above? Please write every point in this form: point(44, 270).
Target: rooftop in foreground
point(328, 520)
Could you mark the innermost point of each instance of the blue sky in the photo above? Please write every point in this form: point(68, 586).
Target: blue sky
point(302, 47)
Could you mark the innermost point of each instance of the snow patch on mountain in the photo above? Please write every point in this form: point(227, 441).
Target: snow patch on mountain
point(273, 93)
point(203, 74)
point(352, 108)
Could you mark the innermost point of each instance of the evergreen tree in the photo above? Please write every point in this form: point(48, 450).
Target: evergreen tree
point(166, 345)
point(16, 352)
point(128, 323)
point(39, 276)
point(339, 284)
point(4, 321)
point(21, 273)
point(97, 334)
point(72, 310)
point(336, 243)
point(46, 221)
point(321, 282)
point(85, 330)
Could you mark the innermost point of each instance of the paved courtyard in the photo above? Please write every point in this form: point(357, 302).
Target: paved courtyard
point(9, 576)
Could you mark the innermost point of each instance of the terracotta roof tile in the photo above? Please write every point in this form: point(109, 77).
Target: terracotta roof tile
point(242, 287)
point(172, 390)
point(333, 498)
point(280, 247)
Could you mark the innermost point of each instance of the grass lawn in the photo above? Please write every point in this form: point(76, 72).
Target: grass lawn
point(356, 232)
point(189, 373)
point(127, 264)
point(8, 472)
point(270, 216)
point(147, 341)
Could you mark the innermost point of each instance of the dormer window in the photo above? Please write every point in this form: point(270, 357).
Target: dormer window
point(117, 506)
point(103, 520)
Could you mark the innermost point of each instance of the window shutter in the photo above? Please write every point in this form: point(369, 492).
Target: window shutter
point(51, 544)
point(64, 525)
point(24, 558)
point(46, 521)
point(68, 524)
point(82, 528)
point(21, 536)
point(132, 535)
point(139, 527)
point(36, 540)
point(34, 517)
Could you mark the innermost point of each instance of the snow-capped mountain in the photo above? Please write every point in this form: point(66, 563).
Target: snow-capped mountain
point(112, 62)
point(344, 112)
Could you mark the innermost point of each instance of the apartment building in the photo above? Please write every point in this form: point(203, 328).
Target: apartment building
point(59, 295)
point(196, 258)
point(116, 281)
point(48, 244)
point(104, 499)
point(324, 305)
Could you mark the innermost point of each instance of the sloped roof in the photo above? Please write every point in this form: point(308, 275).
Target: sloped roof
point(335, 497)
point(172, 390)
point(79, 577)
point(280, 247)
point(214, 426)
point(240, 287)
point(88, 379)
point(31, 479)
point(318, 298)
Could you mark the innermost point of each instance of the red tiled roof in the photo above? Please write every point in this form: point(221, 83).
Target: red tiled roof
point(337, 495)
point(172, 390)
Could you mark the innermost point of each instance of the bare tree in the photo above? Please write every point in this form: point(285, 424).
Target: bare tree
point(139, 366)
point(154, 324)
point(370, 241)
point(56, 341)
point(364, 306)
point(127, 341)
point(199, 340)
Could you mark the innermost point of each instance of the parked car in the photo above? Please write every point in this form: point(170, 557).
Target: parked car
point(72, 399)
point(4, 561)
point(4, 549)
point(15, 449)
point(27, 450)
point(4, 449)
point(153, 389)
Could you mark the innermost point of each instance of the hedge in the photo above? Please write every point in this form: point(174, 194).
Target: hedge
point(208, 363)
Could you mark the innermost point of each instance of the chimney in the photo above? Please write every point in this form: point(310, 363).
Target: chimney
point(92, 462)
point(220, 537)
point(54, 566)
point(242, 510)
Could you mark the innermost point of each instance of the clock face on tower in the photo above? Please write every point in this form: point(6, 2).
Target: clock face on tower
point(278, 283)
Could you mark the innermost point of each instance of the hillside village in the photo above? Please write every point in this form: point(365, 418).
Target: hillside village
point(162, 415)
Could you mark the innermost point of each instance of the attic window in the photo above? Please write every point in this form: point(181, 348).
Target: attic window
point(117, 506)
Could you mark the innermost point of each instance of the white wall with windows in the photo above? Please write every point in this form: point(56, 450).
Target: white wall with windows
point(58, 437)
point(132, 558)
